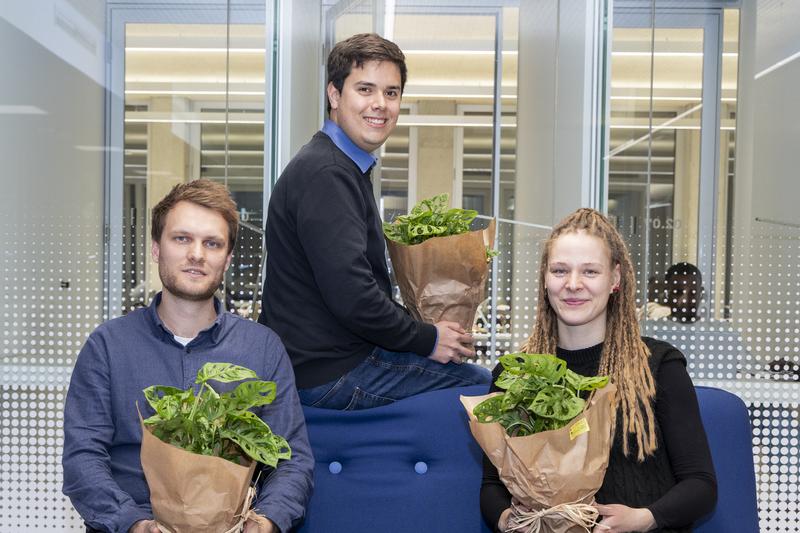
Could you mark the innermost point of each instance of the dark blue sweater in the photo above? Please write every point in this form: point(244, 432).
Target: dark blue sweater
point(327, 291)
point(102, 471)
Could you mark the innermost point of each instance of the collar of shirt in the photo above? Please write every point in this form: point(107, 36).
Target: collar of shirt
point(363, 159)
point(214, 331)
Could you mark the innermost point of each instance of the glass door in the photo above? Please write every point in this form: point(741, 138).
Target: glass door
point(663, 158)
point(187, 101)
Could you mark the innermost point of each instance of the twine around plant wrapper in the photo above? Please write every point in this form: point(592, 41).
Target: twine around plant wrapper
point(244, 516)
point(525, 521)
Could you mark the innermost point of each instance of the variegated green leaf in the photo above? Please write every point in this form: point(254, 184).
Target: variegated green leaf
point(223, 372)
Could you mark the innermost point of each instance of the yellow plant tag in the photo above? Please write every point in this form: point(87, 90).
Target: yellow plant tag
point(578, 428)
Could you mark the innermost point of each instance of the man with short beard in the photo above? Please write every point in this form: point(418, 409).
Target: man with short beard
point(193, 231)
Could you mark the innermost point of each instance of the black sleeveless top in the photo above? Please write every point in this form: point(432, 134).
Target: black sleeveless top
point(677, 483)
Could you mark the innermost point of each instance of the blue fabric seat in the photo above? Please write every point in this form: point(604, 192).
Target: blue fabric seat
point(413, 466)
point(727, 425)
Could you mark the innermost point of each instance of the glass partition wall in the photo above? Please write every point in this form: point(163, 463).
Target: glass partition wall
point(193, 81)
point(696, 176)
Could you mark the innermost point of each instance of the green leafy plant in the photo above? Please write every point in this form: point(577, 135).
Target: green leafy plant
point(541, 394)
point(216, 424)
point(429, 218)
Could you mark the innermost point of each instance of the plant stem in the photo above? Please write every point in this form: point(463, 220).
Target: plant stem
point(197, 399)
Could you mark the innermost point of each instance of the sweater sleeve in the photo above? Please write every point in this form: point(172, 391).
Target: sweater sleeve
point(332, 227)
point(284, 492)
point(88, 432)
point(495, 497)
point(695, 491)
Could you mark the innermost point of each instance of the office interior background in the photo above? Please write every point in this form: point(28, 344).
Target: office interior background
point(677, 118)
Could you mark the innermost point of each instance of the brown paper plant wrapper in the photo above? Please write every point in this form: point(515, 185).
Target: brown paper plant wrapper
point(443, 278)
point(193, 493)
point(563, 467)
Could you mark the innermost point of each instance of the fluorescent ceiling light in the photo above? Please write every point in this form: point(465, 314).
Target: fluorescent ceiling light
point(170, 92)
point(453, 96)
point(193, 50)
point(190, 121)
point(89, 148)
point(457, 52)
point(777, 65)
point(21, 110)
point(668, 54)
point(659, 98)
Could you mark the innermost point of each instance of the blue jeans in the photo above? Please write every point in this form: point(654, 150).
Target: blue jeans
point(384, 377)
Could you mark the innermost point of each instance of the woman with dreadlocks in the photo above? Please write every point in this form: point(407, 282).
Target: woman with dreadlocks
point(660, 475)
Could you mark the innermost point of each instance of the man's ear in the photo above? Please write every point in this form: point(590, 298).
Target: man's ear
point(155, 251)
point(333, 96)
point(228, 261)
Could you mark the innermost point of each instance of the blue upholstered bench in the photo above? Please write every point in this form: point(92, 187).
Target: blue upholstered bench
point(413, 466)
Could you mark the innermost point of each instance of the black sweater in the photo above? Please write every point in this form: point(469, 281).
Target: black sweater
point(677, 484)
point(327, 292)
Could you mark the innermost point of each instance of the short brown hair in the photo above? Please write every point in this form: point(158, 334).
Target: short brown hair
point(203, 192)
point(357, 50)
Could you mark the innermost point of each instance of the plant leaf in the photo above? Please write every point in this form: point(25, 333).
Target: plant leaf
point(557, 402)
point(250, 394)
point(223, 372)
point(255, 437)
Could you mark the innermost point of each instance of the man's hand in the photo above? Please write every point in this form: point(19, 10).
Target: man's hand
point(266, 526)
point(622, 519)
point(144, 526)
point(453, 343)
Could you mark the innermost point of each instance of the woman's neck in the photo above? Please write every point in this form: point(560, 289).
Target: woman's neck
point(580, 337)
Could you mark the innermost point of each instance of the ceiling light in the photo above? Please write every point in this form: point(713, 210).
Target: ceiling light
point(457, 52)
point(21, 110)
point(777, 65)
point(193, 50)
point(143, 92)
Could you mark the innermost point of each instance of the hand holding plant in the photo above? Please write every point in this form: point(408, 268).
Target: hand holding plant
point(549, 447)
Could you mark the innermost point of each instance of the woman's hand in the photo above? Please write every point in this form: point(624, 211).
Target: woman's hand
point(622, 519)
point(503, 521)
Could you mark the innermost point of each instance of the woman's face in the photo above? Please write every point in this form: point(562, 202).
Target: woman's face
point(579, 280)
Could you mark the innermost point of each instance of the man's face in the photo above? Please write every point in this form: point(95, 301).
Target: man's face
point(192, 254)
point(369, 103)
point(683, 296)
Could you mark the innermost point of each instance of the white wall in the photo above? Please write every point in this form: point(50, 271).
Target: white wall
point(554, 115)
point(299, 78)
point(766, 273)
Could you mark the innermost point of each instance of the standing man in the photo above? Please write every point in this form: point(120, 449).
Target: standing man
point(193, 231)
point(327, 291)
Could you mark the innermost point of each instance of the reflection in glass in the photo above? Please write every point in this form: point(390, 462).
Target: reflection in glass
point(194, 108)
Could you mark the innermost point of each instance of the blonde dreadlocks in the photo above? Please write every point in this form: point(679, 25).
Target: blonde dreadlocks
point(624, 356)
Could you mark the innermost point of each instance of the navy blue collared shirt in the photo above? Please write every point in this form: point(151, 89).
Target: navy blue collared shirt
point(102, 470)
point(360, 157)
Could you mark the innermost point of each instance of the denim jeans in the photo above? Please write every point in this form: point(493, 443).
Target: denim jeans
point(384, 377)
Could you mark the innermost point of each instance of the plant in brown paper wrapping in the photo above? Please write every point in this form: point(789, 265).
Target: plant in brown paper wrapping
point(199, 451)
point(549, 445)
point(440, 265)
